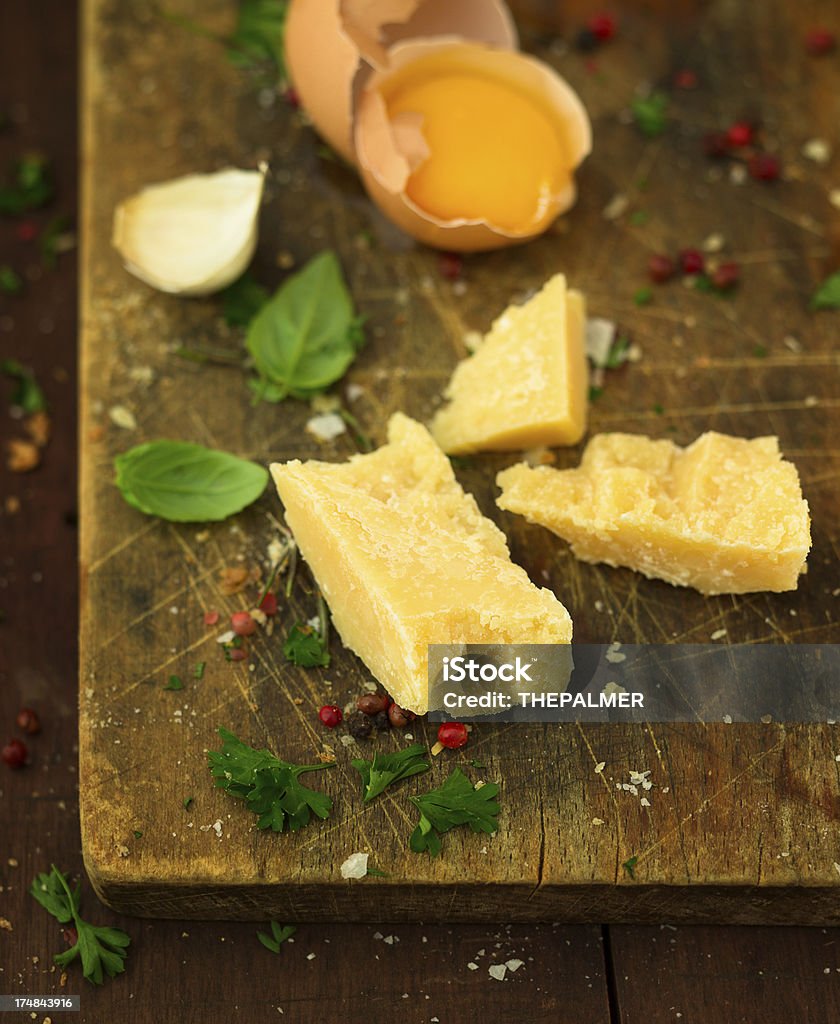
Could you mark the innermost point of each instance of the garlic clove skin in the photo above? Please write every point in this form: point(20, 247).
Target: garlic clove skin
point(193, 235)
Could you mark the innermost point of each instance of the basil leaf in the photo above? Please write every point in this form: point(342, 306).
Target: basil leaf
point(307, 335)
point(827, 295)
point(187, 483)
point(259, 35)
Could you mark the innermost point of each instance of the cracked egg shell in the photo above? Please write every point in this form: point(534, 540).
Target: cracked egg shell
point(331, 45)
point(390, 150)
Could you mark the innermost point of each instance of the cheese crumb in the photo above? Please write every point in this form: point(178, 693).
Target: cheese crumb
point(122, 417)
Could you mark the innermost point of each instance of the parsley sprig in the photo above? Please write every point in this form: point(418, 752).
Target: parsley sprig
point(102, 950)
point(454, 803)
point(386, 769)
point(279, 934)
point(270, 786)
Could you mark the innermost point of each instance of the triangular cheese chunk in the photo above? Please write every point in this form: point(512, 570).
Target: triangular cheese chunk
point(405, 559)
point(724, 515)
point(526, 383)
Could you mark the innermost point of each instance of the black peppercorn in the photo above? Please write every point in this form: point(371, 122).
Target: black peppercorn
point(359, 725)
point(381, 721)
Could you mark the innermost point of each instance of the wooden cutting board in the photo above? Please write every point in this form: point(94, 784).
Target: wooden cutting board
point(743, 820)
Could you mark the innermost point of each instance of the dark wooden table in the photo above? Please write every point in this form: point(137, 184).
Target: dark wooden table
point(218, 971)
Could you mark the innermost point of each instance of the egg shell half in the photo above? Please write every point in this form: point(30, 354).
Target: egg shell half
point(332, 45)
point(387, 153)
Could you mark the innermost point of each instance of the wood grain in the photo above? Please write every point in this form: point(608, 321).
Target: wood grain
point(728, 801)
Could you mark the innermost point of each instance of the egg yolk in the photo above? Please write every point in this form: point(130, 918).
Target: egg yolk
point(494, 155)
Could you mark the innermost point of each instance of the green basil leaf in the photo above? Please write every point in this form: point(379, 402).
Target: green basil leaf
point(307, 335)
point(827, 295)
point(259, 35)
point(187, 483)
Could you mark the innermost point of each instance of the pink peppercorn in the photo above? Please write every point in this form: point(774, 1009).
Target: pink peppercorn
point(330, 715)
point(726, 276)
point(740, 133)
point(819, 41)
point(692, 261)
point(14, 754)
point(602, 26)
point(453, 735)
point(764, 167)
point(243, 624)
point(450, 265)
point(685, 79)
point(660, 268)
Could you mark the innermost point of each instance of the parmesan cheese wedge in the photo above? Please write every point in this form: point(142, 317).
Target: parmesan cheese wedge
point(405, 559)
point(724, 515)
point(526, 383)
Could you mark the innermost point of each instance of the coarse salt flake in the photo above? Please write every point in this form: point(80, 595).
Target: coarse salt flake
point(497, 971)
point(355, 866)
point(326, 427)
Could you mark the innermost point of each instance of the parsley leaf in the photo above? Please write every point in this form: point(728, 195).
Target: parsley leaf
point(10, 282)
point(307, 335)
point(30, 186)
point(454, 803)
point(651, 113)
point(242, 300)
point(187, 483)
point(827, 295)
point(306, 647)
point(56, 238)
point(175, 683)
point(643, 296)
point(619, 353)
point(269, 786)
point(279, 934)
point(630, 866)
point(102, 950)
point(28, 395)
point(385, 769)
point(258, 39)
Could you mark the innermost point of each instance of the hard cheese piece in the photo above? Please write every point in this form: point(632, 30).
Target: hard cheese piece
point(404, 559)
point(526, 383)
point(725, 515)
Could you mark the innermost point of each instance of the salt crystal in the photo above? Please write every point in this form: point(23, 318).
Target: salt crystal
point(326, 427)
point(514, 965)
point(497, 971)
point(817, 150)
point(355, 866)
point(599, 339)
point(472, 965)
point(718, 634)
point(616, 206)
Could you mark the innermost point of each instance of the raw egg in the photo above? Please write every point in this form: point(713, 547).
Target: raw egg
point(461, 140)
point(466, 147)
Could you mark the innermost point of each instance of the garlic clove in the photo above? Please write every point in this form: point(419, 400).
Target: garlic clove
point(193, 235)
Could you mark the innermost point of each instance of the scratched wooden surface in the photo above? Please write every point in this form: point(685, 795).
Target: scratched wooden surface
point(743, 820)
